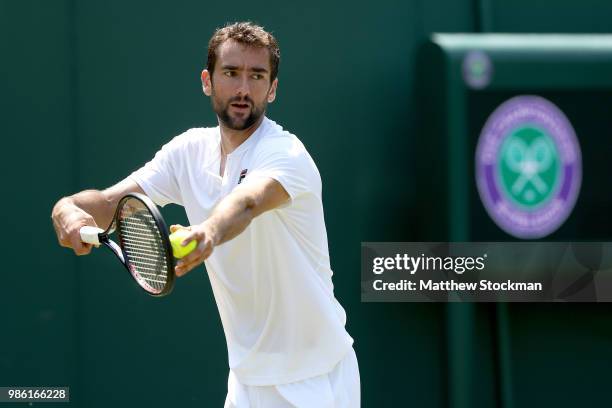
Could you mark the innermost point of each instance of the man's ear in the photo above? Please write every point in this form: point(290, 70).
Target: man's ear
point(272, 91)
point(206, 82)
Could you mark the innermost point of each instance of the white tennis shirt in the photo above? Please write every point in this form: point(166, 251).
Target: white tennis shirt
point(272, 283)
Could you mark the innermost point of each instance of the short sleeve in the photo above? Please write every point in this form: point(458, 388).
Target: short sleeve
point(158, 177)
point(285, 160)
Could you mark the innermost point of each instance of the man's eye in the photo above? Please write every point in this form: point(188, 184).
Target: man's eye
point(229, 73)
point(257, 76)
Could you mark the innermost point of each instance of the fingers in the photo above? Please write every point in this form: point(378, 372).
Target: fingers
point(70, 237)
point(191, 235)
point(175, 227)
point(68, 220)
point(200, 237)
point(197, 256)
point(80, 248)
point(201, 252)
point(84, 249)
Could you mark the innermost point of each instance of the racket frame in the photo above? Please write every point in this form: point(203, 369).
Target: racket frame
point(121, 254)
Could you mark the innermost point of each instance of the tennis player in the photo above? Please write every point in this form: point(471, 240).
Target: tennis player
point(252, 194)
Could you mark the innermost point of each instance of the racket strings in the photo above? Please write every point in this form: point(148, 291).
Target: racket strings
point(143, 244)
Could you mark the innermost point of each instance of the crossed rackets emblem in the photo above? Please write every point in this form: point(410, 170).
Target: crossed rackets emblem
point(529, 161)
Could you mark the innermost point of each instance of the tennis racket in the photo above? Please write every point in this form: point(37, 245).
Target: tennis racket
point(143, 243)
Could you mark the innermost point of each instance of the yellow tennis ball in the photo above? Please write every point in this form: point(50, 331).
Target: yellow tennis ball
point(178, 250)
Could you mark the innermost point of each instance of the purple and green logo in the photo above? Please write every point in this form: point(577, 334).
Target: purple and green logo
point(528, 167)
point(477, 69)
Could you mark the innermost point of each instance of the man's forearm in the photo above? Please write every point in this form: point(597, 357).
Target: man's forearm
point(100, 205)
point(89, 207)
point(236, 211)
point(230, 218)
point(94, 202)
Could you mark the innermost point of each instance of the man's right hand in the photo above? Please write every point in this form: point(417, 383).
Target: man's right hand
point(89, 207)
point(67, 221)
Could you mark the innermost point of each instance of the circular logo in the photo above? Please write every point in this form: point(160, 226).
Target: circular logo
point(528, 167)
point(477, 69)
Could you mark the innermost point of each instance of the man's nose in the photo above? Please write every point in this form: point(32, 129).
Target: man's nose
point(243, 86)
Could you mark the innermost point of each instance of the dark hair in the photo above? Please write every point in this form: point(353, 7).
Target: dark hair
point(248, 34)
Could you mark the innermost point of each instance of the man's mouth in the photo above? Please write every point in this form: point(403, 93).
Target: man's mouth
point(240, 106)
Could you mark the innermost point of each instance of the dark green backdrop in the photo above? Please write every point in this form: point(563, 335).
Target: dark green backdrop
point(91, 89)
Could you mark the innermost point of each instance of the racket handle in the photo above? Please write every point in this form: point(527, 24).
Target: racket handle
point(90, 235)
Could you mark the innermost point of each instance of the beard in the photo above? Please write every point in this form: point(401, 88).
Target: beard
point(237, 123)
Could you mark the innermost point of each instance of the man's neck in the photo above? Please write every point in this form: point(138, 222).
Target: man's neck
point(231, 138)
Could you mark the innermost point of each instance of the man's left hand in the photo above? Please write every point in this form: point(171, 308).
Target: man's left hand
point(202, 251)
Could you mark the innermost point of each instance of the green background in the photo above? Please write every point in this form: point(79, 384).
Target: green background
point(89, 90)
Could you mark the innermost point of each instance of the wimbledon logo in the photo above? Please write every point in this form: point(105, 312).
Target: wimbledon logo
point(528, 167)
point(477, 69)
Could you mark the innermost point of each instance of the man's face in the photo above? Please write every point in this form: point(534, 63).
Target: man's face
point(240, 87)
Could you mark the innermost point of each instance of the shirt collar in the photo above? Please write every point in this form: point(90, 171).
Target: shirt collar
point(248, 142)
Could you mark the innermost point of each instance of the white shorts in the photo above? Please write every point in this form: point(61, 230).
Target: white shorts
point(340, 388)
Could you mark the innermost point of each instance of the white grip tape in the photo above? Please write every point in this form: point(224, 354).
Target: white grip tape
point(89, 234)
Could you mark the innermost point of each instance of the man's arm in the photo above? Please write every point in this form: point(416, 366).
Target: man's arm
point(229, 218)
point(89, 207)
